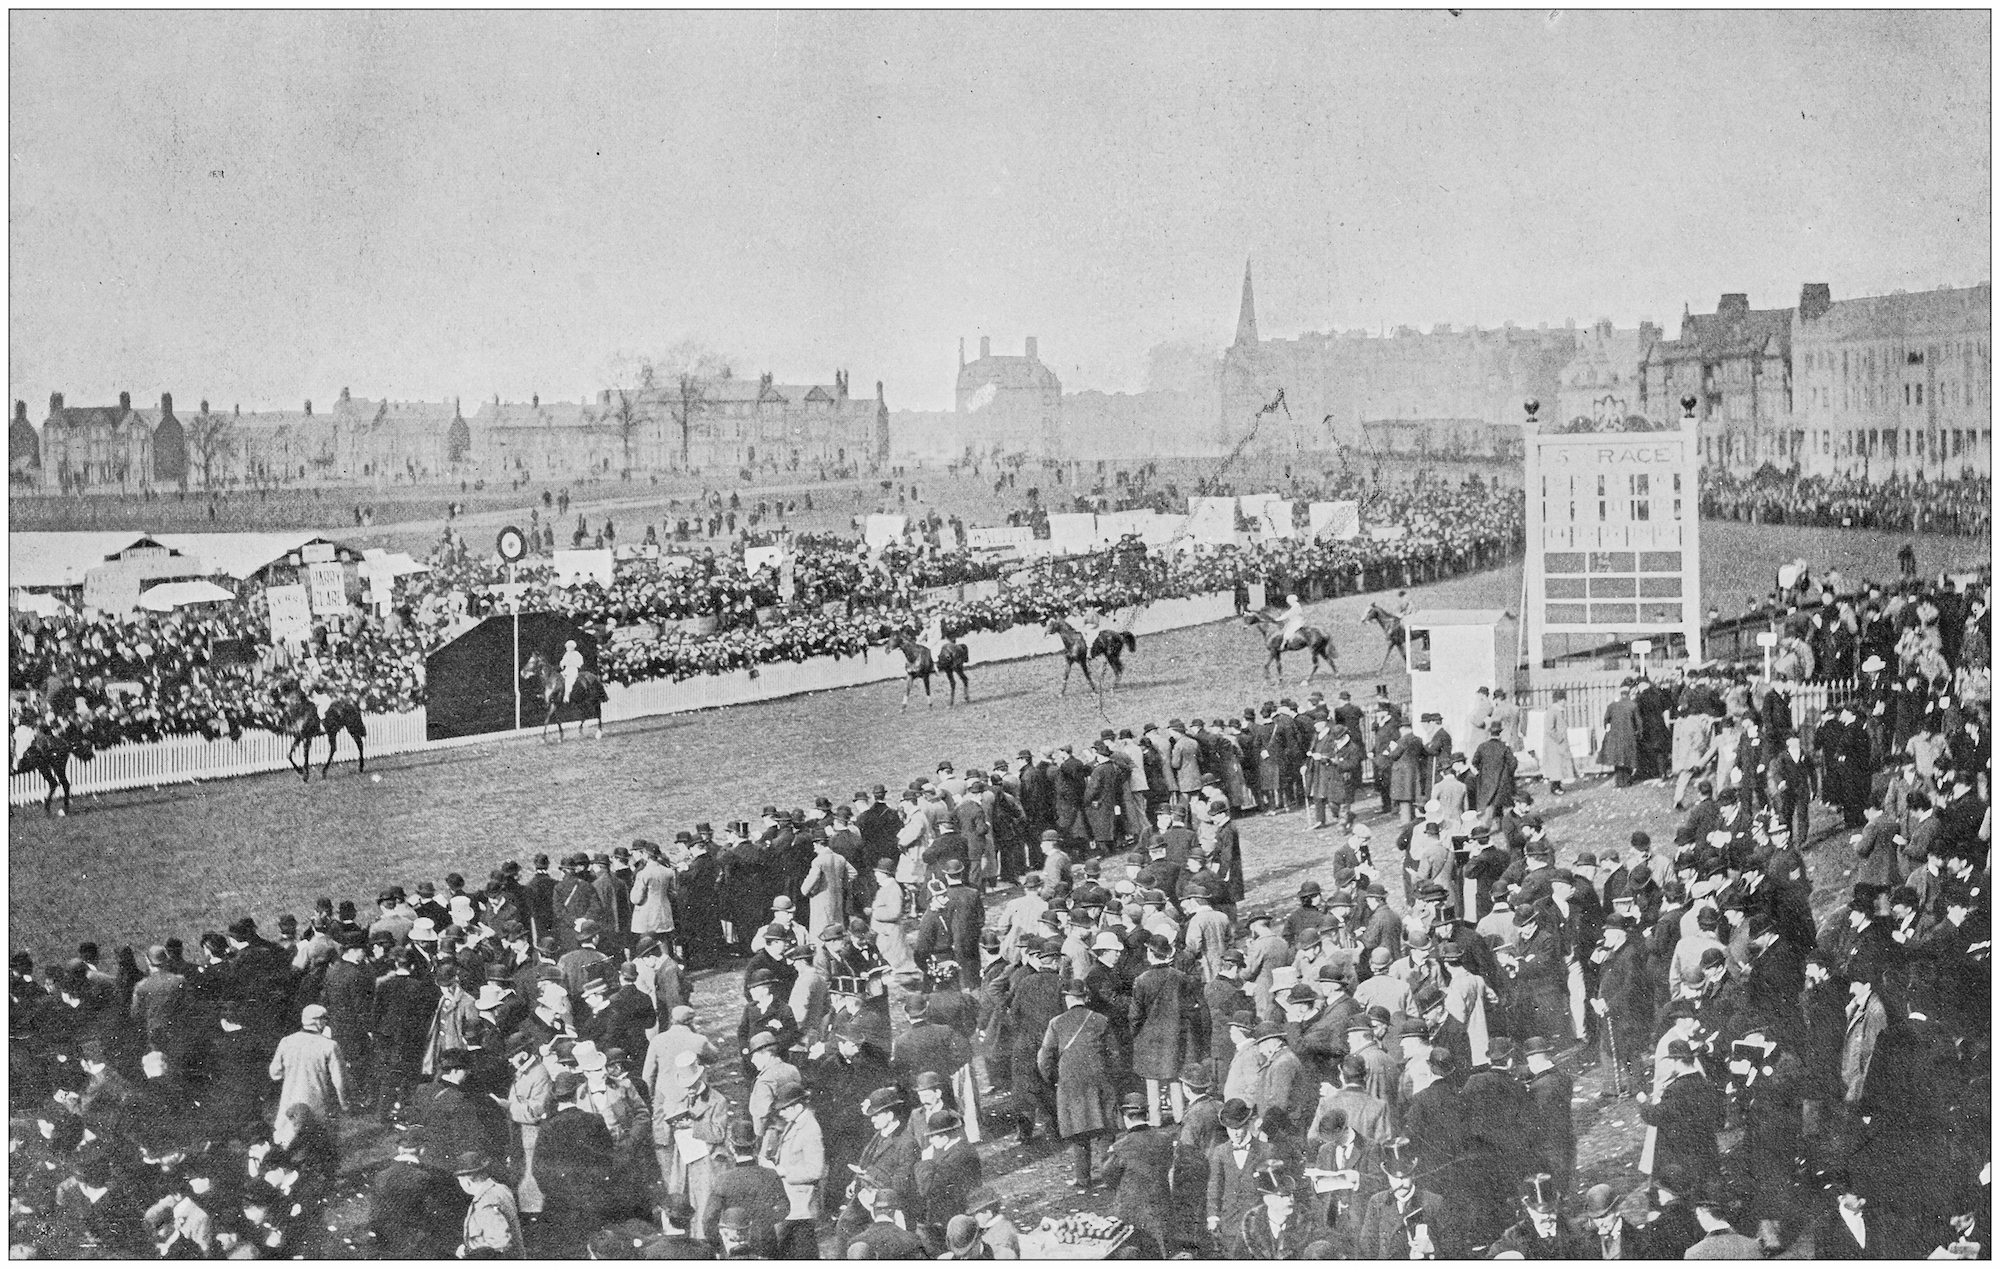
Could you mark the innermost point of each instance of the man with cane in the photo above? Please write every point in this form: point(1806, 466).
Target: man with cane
point(1624, 1000)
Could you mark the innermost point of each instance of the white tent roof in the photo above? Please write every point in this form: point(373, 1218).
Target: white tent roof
point(170, 595)
point(61, 559)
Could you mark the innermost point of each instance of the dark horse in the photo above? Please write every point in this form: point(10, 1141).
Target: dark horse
point(303, 720)
point(918, 664)
point(48, 755)
point(1270, 623)
point(585, 702)
point(1112, 645)
point(1392, 630)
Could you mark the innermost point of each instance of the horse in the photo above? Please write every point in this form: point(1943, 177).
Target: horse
point(1269, 623)
point(918, 663)
point(585, 702)
point(1112, 645)
point(1392, 630)
point(306, 717)
point(48, 755)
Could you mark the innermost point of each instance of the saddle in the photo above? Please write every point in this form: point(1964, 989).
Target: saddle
point(568, 686)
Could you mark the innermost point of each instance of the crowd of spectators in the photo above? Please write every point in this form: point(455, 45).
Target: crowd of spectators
point(1962, 506)
point(1419, 1021)
point(671, 615)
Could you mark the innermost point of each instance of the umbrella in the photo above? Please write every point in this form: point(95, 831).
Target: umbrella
point(172, 595)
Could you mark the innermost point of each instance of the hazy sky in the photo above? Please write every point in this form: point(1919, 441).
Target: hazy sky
point(257, 208)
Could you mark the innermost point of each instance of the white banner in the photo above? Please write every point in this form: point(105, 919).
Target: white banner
point(1119, 524)
point(1073, 532)
point(948, 536)
point(1254, 504)
point(1388, 532)
point(1212, 520)
point(756, 557)
point(327, 585)
point(573, 567)
point(990, 539)
point(881, 530)
point(1340, 521)
point(1273, 519)
point(291, 613)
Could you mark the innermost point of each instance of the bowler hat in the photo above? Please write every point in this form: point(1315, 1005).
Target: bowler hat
point(1236, 1113)
point(1195, 1075)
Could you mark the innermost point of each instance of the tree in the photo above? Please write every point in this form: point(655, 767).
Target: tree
point(213, 440)
point(674, 383)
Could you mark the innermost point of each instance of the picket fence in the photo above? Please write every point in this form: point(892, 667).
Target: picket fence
point(1585, 703)
point(186, 759)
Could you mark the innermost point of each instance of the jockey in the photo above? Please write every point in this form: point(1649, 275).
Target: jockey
point(933, 636)
point(1087, 627)
point(1295, 616)
point(1403, 605)
point(572, 665)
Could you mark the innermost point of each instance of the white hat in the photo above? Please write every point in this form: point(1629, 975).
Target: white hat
point(588, 1056)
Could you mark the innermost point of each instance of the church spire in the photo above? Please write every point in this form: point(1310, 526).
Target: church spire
point(1246, 317)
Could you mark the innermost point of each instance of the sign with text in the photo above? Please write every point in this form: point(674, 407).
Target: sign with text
point(1340, 521)
point(291, 613)
point(575, 567)
point(1613, 538)
point(317, 553)
point(326, 587)
point(991, 539)
point(756, 557)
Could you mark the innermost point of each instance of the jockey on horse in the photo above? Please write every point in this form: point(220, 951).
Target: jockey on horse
point(572, 665)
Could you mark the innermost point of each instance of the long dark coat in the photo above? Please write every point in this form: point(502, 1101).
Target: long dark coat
point(1494, 785)
point(1102, 793)
point(1071, 778)
point(1034, 1002)
point(1079, 1056)
point(1406, 770)
point(1621, 734)
point(1137, 1171)
point(697, 912)
point(1165, 1006)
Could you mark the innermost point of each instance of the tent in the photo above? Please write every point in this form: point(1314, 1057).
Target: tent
point(171, 595)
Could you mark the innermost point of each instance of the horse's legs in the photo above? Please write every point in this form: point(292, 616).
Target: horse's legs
point(360, 754)
point(1068, 665)
point(928, 702)
point(965, 683)
point(909, 681)
point(49, 800)
point(62, 774)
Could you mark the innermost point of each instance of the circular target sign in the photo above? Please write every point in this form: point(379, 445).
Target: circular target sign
point(513, 546)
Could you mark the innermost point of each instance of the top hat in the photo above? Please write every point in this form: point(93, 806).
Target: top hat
point(1539, 1193)
point(1399, 1157)
point(1275, 1176)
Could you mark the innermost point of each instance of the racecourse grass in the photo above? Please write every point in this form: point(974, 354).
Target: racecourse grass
point(137, 866)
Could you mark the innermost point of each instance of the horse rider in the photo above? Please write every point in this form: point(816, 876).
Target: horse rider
point(934, 635)
point(1088, 628)
point(1295, 617)
point(572, 665)
point(1403, 605)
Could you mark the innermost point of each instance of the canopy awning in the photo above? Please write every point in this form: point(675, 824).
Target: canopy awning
point(171, 595)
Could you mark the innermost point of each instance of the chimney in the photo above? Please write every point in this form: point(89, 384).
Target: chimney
point(55, 403)
point(124, 400)
point(20, 411)
point(166, 403)
point(535, 401)
point(204, 405)
point(1031, 348)
point(961, 352)
point(878, 391)
point(343, 396)
point(239, 409)
point(1815, 300)
point(1734, 304)
point(985, 347)
point(309, 407)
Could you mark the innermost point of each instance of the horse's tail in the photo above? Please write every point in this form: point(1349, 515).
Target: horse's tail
point(1130, 640)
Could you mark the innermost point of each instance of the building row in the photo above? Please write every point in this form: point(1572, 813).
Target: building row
point(720, 423)
point(1874, 387)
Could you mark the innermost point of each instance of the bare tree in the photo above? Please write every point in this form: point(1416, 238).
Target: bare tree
point(213, 440)
point(683, 375)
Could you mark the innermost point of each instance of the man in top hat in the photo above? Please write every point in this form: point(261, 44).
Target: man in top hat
point(1281, 1225)
point(1401, 1221)
point(1549, 1120)
point(575, 898)
point(1199, 1130)
point(1713, 1205)
point(1623, 1001)
point(1496, 1142)
point(1166, 1015)
point(412, 1204)
point(1544, 1234)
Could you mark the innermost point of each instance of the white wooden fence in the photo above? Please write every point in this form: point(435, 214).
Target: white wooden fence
point(1585, 703)
point(182, 759)
point(185, 759)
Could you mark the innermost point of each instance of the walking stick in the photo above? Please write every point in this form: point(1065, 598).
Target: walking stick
point(1617, 1063)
